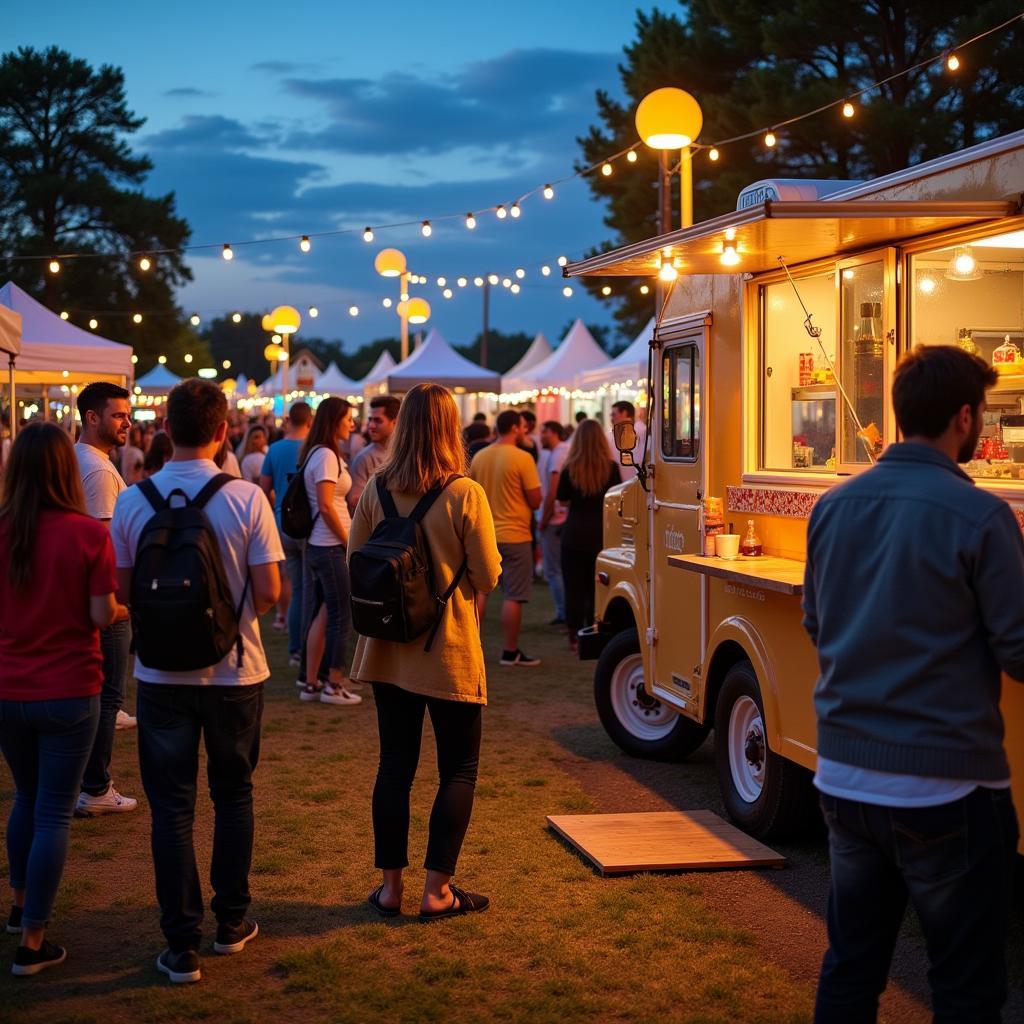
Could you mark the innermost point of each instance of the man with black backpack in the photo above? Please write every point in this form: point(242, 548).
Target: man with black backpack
point(197, 555)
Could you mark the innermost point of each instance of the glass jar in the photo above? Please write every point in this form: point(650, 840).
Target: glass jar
point(751, 543)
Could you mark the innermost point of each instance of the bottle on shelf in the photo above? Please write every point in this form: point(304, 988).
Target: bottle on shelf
point(751, 543)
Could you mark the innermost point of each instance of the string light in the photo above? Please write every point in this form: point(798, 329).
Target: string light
point(713, 154)
point(515, 289)
point(506, 282)
point(367, 234)
point(606, 170)
point(227, 252)
point(668, 272)
point(54, 266)
point(441, 282)
point(93, 324)
point(314, 312)
point(730, 257)
point(546, 270)
point(567, 292)
point(195, 320)
point(500, 212)
point(549, 192)
point(188, 357)
point(404, 297)
point(515, 211)
point(953, 62)
point(353, 311)
point(606, 290)
point(563, 260)
point(849, 109)
point(631, 156)
point(161, 360)
point(386, 303)
point(145, 264)
point(236, 317)
point(492, 279)
point(470, 221)
point(462, 282)
point(305, 244)
point(447, 293)
point(520, 273)
point(64, 314)
point(226, 364)
point(137, 318)
point(426, 230)
point(770, 140)
point(135, 359)
point(644, 289)
point(478, 281)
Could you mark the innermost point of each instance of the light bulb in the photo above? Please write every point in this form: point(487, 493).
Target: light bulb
point(506, 282)
point(367, 234)
point(227, 252)
point(848, 274)
point(314, 312)
point(305, 244)
point(926, 285)
point(441, 282)
point(386, 303)
point(135, 359)
point(515, 289)
point(501, 213)
point(137, 318)
point(549, 192)
point(470, 221)
point(478, 281)
point(730, 257)
point(606, 290)
point(462, 282)
point(492, 278)
point(563, 260)
point(606, 170)
point(226, 364)
point(567, 292)
point(54, 266)
point(631, 156)
point(713, 154)
point(64, 314)
point(668, 272)
point(93, 324)
point(644, 289)
point(770, 140)
point(161, 360)
point(145, 263)
point(194, 320)
point(236, 317)
point(953, 62)
point(447, 293)
point(964, 263)
point(426, 230)
point(515, 211)
point(546, 270)
point(404, 297)
point(353, 311)
point(520, 273)
point(188, 357)
point(849, 109)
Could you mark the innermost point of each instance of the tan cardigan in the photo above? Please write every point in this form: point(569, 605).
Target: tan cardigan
point(458, 525)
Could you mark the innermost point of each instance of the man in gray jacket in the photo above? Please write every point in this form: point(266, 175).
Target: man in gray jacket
point(914, 598)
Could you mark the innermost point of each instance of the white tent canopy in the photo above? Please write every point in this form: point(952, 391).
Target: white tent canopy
point(380, 369)
point(436, 362)
point(51, 347)
point(157, 381)
point(540, 348)
point(10, 332)
point(629, 364)
point(577, 353)
point(333, 382)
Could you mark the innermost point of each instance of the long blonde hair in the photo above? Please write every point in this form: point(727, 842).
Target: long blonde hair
point(426, 447)
point(588, 461)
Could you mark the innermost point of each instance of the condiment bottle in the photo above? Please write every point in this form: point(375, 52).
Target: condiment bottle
point(751, 543)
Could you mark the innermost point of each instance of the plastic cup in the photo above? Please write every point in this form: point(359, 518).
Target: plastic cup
point(727, 545)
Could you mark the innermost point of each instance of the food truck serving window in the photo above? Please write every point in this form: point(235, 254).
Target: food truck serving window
point(973, 296)
point(680, 402)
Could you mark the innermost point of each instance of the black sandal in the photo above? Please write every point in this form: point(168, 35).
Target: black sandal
point(374, 900)
point(468, 903)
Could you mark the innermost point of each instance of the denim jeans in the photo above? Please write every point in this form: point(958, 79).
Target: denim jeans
point(45, 743)
point(293, 555)
point(326, 582)
point(955, 864)
point(172, 717)
point(115, 643)
point(551, 558)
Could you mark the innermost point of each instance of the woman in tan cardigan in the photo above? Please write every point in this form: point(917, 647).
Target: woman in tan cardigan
point(449, 681)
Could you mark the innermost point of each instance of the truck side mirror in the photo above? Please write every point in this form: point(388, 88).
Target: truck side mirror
point(625, 441)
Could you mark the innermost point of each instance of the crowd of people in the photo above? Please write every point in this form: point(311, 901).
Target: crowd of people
point(89, 530)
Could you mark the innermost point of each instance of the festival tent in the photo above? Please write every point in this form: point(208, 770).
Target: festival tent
point(157, 381)
point(540, 348)
point(10, 346)
point(55, 351)
point(380, 369)
point(628, 365)
point(333, 382)
point(436, 362)
point(577, 353)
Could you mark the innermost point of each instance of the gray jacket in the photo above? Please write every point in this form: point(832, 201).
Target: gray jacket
point(914, 597)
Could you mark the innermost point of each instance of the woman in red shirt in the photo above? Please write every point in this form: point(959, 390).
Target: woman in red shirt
point(57, 584)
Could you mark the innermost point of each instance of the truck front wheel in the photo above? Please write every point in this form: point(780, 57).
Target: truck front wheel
point(640, 724)
point(765, 794)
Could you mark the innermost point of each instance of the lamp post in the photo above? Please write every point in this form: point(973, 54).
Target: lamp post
point(391, 263)
point(286, 321)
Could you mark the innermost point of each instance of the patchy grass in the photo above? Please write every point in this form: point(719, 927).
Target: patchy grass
point(560, 944)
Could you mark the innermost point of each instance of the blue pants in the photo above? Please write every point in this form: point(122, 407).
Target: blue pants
point(326, 582)
point(293, 555)
point(45, 743)
point(955, 863)
point(115, 643)
point(551, 559)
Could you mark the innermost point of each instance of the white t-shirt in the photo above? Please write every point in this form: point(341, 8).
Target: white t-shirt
point(324, 464)
point(243, 524)
point(550, 462)
point(100, 479)
point(251, 466)
point(628, 472)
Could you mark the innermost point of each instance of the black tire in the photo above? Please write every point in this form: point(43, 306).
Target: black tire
point(785, 805)
point(640, 724)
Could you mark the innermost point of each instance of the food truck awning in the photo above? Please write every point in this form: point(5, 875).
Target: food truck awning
point(796, 231)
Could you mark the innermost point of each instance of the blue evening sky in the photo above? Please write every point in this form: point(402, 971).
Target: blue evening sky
point(290, 117)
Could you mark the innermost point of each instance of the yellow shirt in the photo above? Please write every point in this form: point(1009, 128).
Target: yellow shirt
point(506, 473)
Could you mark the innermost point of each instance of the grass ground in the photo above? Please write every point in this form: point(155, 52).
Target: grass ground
point(559, 944)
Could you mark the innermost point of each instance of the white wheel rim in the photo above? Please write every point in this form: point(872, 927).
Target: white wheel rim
point(640, 715)
point(746, 732)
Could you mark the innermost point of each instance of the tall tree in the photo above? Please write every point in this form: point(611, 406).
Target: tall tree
point(752, 63)
point(70, 183)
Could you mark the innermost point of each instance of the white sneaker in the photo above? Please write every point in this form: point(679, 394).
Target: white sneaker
point(111, 802)
point(294, 660)
point(339, 695)
point(125, 721)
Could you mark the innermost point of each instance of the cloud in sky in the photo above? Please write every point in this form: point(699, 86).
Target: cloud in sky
point(188, 92)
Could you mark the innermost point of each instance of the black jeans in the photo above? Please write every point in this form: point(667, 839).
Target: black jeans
point(115, 644)
point(955, 863)
point(457, 729)
point(171, 718)
point(578, 567)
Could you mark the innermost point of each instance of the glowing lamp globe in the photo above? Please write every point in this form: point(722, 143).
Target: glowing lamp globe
point(228, 386)
point(417, 310)
point(390, 263)
point(265, 323)
point(272, 353)
point(251, 388)
point(668, 119)
point(285, 320)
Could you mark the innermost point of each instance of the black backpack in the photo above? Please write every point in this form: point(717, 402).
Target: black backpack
point(297, 518)
point(183, 615)
point(394, 596)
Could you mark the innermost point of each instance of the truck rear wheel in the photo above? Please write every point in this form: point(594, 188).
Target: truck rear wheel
point(765, 794)
point(640, 724)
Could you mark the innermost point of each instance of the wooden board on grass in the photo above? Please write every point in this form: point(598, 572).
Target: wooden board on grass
point(662, 841)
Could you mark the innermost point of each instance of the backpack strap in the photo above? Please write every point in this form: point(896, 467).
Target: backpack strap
point(442, 603)
point(210, 488)
point(428, 499)
point(387, 503)
point(153, 496)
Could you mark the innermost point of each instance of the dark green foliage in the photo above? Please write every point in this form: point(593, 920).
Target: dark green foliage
point(752, 64)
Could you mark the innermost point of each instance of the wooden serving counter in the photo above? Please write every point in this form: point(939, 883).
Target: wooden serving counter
point(782, 575)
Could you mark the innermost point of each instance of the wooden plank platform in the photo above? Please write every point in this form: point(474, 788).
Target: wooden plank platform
point(662, 841)
point(783, 575)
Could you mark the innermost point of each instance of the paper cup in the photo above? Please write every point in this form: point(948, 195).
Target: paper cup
point(727, 545)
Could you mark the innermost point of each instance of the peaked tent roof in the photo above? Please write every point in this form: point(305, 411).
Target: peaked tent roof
point(436, 362)
point(49, 345)
point(540, 348)
point(577, 352)
point(10, 332)
point(157, 381)
point(333, 382)
point(380, 369)
point(629, 364)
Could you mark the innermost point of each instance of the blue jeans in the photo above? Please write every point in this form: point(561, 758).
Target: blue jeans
point(115, 643)
point(551, 559)
point(955, 863)
point(293, 555)
point(326, 582)
point(45, 743)
point(172, 718)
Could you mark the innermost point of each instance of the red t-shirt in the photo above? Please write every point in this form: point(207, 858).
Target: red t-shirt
point(49, 647)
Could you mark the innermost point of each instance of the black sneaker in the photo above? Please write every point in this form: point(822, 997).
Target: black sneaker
point(182, 968)
point(232, 938)
point(14, 921)
point(518, 657)
point(31, 961)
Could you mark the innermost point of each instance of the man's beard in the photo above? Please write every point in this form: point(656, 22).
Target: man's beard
point(968, 448)
point(114, 437)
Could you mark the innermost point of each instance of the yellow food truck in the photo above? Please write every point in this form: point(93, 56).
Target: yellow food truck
point(770, 375)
